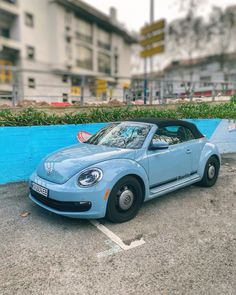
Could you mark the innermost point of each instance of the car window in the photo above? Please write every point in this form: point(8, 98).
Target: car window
point(173, 134)
point(121, 135)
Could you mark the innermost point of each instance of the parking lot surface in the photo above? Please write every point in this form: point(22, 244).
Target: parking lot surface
point(190, 245)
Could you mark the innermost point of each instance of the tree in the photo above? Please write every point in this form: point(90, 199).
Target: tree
point(187, 36)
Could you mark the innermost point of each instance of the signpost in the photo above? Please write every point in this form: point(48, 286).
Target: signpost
point(153, 36)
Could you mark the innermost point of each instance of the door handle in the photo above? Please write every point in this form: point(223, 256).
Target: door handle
point(188, 151)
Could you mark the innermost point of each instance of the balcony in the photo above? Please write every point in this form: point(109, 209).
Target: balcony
point(9, 7)
point(9, 43)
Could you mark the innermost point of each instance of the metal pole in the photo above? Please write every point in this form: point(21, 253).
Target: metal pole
point(82, 91)
point(145, 81)
point(151, 58)
point(14, 87)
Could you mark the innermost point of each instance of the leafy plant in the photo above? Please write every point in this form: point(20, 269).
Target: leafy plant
point(31, 116)
point(233, 98)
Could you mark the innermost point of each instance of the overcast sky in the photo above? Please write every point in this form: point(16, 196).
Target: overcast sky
point(134, 13)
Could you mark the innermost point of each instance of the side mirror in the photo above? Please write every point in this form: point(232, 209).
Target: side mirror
point(159, 145)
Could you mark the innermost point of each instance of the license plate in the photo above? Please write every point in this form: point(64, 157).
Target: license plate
point(40, 189)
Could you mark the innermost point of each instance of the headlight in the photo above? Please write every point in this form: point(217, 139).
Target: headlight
point(90, 177)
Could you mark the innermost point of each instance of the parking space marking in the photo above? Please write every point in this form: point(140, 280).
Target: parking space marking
point(113, 237)
point(113, 249)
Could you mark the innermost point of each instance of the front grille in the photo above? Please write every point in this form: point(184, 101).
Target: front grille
point(61, 206)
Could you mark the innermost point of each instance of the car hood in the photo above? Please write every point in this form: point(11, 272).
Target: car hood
point(60, 166)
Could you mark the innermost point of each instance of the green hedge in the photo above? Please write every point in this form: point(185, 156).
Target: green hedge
point(30, 116)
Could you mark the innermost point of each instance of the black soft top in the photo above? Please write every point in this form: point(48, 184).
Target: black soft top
point(171, 122)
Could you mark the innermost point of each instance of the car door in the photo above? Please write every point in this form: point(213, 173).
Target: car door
point(168, 165)
point(194, 146)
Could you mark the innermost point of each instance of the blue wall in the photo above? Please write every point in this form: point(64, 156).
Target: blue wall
point(22, 148)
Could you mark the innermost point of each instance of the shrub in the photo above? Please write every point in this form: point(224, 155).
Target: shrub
point(233, 98)
point(30, 116)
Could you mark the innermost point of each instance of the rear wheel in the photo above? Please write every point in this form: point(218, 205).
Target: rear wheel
point(125, 200)
point(211, 172)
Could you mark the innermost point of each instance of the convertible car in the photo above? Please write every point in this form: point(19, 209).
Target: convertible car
point(122, 166)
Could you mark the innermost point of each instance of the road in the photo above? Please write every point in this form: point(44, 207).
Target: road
point(190, 245)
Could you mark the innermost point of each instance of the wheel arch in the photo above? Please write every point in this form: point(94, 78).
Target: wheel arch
point(217, 157)
point(141, 181)
point(209, 150)
point(122, 168)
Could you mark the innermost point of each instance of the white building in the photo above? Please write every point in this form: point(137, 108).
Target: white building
point(207, 76)
point(59, 45)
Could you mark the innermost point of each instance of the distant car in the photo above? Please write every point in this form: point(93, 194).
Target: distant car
point(123, 165)
point(138, 102)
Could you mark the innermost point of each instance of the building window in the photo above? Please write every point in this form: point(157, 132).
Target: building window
point(4, 32)
point(31, 83)
point(84, 31)
point(68, 39)
point(30, 52)
point(10, 1)
point(205, 81)
point(65, 97)
point(104, 39)
point(64, 78)
point(29, 19)
point(104, 63)
point(84, 57)
point(230, 77)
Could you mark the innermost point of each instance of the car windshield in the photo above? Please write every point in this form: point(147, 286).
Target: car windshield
point(126, 135)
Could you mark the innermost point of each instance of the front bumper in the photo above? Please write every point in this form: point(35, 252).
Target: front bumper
point(69, 200)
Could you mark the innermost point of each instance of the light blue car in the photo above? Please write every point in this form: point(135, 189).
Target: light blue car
point(123, 165)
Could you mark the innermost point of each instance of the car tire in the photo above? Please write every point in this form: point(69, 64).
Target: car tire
point(211, 172)
point(125, 200)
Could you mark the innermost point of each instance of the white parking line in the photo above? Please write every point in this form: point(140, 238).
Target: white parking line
point(113, 237)
point(113, 249)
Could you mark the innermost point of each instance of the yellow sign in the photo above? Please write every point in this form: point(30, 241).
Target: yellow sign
point(101, 87)
point(75, 91)
point(101, 83)
point(5, 73)
point(158, 25)
point(152, 51)
point(126, 85)
point(153, 39)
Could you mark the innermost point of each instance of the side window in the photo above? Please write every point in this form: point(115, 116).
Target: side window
point(173, 134)
point(188, 134)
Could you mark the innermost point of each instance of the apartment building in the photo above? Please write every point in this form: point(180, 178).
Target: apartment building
point(204, 76)
point(59, 48)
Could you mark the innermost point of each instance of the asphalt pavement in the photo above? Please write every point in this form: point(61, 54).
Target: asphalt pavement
point(189, 235)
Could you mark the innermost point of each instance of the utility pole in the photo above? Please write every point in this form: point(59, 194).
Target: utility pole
point(152, 41)
point(152, 15)
point(145, 86)
point(151, 21)
point(82, 91)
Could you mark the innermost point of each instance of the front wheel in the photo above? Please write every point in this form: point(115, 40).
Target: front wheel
point(211, 172)
point(125, 200)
